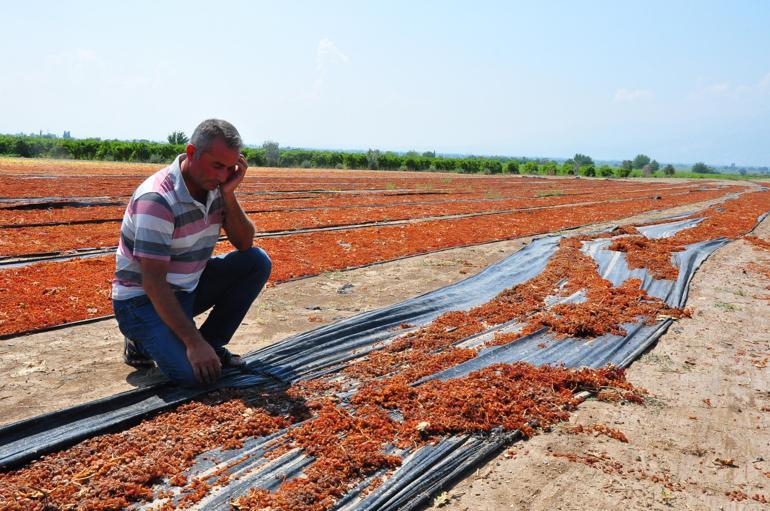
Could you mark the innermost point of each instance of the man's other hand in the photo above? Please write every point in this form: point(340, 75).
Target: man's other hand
point(205, 363)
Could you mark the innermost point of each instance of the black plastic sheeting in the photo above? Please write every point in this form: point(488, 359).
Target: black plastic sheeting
point(328, 349)
point(302, 356)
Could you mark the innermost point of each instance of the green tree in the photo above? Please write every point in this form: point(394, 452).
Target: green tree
point(640, 161)
point(177, 137)
point(389, 160)
point(512, 167)
point(582, 159)
point(355, 160)
point(272, 153)
point(493, 167)
point(22, 148)
point(587, 170)
point(550, 168)
point(625, 168)
point(470, 165)
point(530, 167)
point(567, 168)
point(255, 156)
point(571, 166)
point(668, 170)
point(605, 171)
point(373, 159)
point(654, 165)
point(702, 168)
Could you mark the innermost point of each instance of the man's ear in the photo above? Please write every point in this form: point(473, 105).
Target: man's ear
point(190, 150)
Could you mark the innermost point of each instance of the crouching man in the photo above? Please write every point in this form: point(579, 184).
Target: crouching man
point(165, 274)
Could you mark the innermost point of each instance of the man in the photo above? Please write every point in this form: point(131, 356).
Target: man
point(164, 271)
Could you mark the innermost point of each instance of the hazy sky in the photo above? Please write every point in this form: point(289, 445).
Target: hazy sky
point(680, 81)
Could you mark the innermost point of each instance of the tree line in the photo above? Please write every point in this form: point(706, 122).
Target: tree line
point(270, 154)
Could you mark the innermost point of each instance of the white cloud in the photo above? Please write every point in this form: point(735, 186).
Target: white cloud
point(722, 89)
point(77, 66)
point(764, 83)
point(760, 87)
point(719, 88)
point(76, 58)
point(328, 54)
point(631, 95)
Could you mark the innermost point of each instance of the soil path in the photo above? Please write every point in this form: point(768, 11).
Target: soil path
point(703, 433)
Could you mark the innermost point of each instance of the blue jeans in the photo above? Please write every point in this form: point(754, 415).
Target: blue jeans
point(228, 286)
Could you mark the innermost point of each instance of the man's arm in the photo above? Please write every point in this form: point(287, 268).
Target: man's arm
point(205, 362)
point(238, 227)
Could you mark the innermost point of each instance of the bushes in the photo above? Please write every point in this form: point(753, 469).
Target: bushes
point(605, 171)
point(373, 159)
point(354, 160)
point(22, 148)
point(550, 169)
point(87, 149)
point(255, 157)
point(270, 154)
point(702, 168)
point(493, 167)
point(512, 167)
point(567, 168)
point(623, 171)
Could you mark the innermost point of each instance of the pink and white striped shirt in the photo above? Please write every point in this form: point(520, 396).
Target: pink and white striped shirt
point(163, 221)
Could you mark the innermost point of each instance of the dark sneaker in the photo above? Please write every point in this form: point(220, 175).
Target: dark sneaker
point(133, 357)
point(230, 359)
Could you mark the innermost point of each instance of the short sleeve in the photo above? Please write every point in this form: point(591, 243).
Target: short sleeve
point(154, 227)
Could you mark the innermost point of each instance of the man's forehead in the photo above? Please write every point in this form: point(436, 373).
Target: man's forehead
point(220, 153)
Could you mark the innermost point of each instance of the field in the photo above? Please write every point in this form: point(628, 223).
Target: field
point(388, 237)
point(52, 235)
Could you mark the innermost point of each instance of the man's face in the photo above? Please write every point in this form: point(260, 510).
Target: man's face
point(212, 167)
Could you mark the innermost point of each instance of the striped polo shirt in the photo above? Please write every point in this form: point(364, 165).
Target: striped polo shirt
point(164, 222)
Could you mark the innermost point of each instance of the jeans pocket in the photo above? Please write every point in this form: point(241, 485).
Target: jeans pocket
point(132, 315)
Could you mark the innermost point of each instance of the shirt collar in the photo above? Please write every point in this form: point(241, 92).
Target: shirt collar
point(180, 187)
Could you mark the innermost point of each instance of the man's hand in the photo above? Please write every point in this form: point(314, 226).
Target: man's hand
point(205, 363)
point(235, 179)
point(238, 227)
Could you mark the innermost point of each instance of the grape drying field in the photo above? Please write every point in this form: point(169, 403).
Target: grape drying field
point(382, 410)
point(59, 225)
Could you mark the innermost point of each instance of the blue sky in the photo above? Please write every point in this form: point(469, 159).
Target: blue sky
point(681, 81)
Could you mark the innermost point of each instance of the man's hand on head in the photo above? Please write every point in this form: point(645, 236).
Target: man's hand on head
point(236, 177)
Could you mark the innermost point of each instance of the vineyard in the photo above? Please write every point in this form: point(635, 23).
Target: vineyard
point(382, 410)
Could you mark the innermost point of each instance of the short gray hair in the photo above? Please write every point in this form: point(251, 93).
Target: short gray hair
point(211, 129)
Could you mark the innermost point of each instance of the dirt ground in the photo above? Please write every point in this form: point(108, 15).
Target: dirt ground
point(709, 394)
